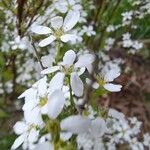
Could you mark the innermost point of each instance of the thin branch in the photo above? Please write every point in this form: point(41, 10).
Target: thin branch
point(37, 55)
point(34, 14)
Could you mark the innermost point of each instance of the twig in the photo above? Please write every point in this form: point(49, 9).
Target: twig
point(34, 14)
point(37, 55)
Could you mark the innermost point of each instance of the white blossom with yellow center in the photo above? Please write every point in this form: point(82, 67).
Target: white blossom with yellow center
point(72, 68)
point(60, 29)
point(105, 81)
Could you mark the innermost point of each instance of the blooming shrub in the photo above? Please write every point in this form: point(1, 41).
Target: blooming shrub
point(74, 70)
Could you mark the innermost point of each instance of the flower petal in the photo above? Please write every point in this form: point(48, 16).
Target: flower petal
point(47, 60)
point(71, 20)
point(76, 84)
point(20, 127)
point(56, 82)
point(68, 37)
point(42, 86)
point(34, 116)
point(69, 58)
point(98, 127)
point(57, 22)
point(116, 114)
point(65, 136)
point(29, 94)
point(47, 41)
point(50, 70)
point(61, 6)
point(76, 124)
point(18, 141)
point(55, 104)
point(111, 75)
point(113, 87)
point(41, 30)
point(33, 135)
point(85, 61)
point(45, 146)
point(71, 2)
point(30, 104)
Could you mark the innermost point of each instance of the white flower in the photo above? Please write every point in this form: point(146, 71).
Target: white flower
point(64, 6)
point(91, 130)
point(47, 60)
point(105, 81)
point(109, 43)
point(147, 140)
point(35, 100)
point(88, 30)
point(27, 134)
point(136, 145)
point(127, 43)
point(85, 141)
point(98, 127)
point(38, 100)
point(126, 36)
point(18, 43)
point(115, 114)
point(127, 16)
point(110, 28)
point(137, 45)
point(59, 29)
point(76, 124)
point(34, 94)
point(109, 77)
point(68, 67)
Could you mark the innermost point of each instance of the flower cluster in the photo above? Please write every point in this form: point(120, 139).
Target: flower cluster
point(73, 71)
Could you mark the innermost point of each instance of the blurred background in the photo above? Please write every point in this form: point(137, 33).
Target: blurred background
point(19, 67)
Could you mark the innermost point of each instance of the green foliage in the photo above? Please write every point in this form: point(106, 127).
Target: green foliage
point(6, 141)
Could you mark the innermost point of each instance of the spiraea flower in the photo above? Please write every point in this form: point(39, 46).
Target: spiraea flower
point(64, 6)
point(85, 127)
point(69, 67)
point(109, 43)
point(110, 28)
point(40, 100)
point(88, 30)
point(59, 29)
point(28, 134)
point(105, 81)
point(78, 124)
point(127, 42)
point(127, 16)
point(18, 43)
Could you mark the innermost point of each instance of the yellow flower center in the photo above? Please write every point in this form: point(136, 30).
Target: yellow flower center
point(69, 7)
point(58, 33)
point(100, 80)
point(43, 101)
point(68, 70)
